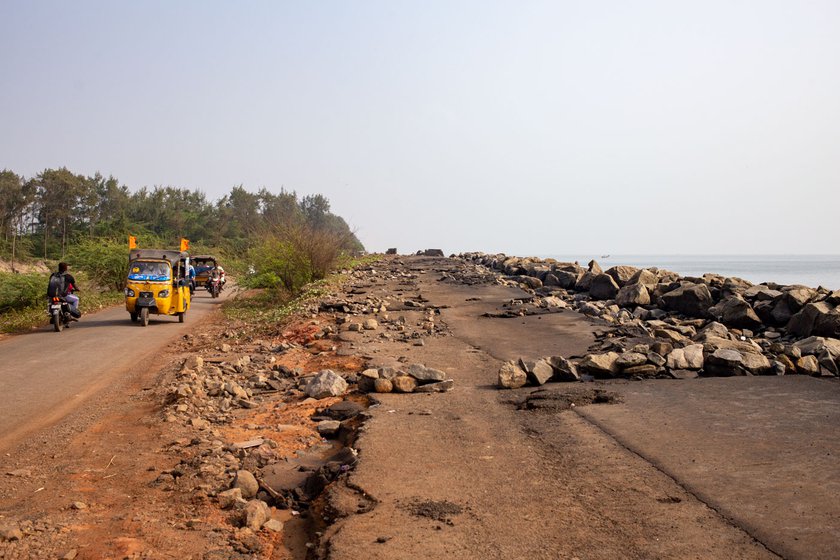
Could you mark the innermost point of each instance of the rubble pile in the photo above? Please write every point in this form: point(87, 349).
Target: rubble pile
point(661, 324)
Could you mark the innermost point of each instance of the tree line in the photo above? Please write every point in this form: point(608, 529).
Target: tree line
point(43, 216)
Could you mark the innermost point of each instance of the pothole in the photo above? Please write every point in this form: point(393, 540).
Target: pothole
point(557, 400)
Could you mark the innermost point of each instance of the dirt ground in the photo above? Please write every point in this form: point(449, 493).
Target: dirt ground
point(474, 472)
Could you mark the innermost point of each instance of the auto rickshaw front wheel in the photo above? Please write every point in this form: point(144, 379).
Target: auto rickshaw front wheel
point(144, 316)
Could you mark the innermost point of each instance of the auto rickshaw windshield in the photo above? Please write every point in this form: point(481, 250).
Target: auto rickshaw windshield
point(149, 271)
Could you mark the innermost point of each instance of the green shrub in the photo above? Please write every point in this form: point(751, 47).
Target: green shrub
point(104, 260)
point(18, 291)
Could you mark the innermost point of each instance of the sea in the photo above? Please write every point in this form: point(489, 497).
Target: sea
point(809, 270)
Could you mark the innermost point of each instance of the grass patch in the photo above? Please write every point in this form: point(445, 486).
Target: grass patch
point(266, 310)
point(33, 290)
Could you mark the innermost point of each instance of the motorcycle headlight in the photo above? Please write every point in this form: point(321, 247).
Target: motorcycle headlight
point(163, 293)
point(129, 292)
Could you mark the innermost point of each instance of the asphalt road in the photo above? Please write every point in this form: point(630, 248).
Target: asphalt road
point(44, 375)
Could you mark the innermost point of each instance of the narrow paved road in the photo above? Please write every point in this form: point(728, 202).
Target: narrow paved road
point(44, 375)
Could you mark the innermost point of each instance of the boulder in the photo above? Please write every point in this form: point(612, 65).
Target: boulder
point(511, 376)
point(781, 313)
point(804, 322)
point(643, 276)
point(713, 329)
point(230, 498)
point(326, 384)
point(564, 370)
point(404, 384)
point(808, 365)
point(630, 359)
point(594, 267)
point(724, 363)
point(797, 297)
point(585, 281)
point(762, 293)
point(632, 295)
point(381, 385)
point(438, 387)
point(603, 287)
point(622, 274)
point(643, 370)
point(425, 374)
point(816, 344)
point(247, 484)
point(693, 300)
point(737, 312)
point(539, 372)
point(256, 513)
point(600, 365)
point(689, 357)
point(828, 324)
point(566, 279)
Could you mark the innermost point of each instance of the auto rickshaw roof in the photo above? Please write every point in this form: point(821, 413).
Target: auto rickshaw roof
point(157, 254)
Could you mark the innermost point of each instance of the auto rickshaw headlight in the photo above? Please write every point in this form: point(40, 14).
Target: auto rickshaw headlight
point(163, 293)
point(129, 292)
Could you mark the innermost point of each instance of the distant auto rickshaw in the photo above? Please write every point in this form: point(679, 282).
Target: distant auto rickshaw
point(204, 266)
point(158, 282)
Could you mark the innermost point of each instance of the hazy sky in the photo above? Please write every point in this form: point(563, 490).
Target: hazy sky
point(525, 127)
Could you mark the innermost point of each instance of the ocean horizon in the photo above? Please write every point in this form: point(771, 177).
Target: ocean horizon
point(809, 270)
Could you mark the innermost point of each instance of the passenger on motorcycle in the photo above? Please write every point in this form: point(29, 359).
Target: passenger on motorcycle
point(221, 274)
point(63, 283)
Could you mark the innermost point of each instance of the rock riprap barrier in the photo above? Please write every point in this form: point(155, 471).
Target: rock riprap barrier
point(661, 324)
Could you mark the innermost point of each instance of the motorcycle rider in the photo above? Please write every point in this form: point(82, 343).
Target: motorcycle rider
point(70, 286)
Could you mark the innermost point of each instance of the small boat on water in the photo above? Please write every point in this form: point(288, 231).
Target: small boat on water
point(605, 256)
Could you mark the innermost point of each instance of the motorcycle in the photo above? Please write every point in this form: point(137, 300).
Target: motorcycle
point(59, 311)
point(214, 286)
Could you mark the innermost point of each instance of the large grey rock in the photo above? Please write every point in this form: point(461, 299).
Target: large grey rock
point(804, 322)
point(797, 297)
point(828, 324)
point(724, 363)
point(762, 293)
point(713, 329)
point(603, 287)
point(566, 279)
point(326, 384)
point(643, 276)
point(630, 359)
point(693, 300)
point(632, 295)
point(247, 484)
point(600, 365)
point(781, 313)
point(511, 376)
point(425, 374)
point(817, 344)
point(564, 370)
point(585, 281)
point(737, 312)
point(622, 274)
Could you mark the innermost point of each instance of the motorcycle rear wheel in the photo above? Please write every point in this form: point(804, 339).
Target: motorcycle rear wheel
point(56, 321)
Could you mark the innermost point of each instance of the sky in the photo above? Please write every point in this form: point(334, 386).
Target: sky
point(529, 127)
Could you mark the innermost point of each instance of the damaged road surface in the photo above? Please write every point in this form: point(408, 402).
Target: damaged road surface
point(372, 426)
point(539, 473)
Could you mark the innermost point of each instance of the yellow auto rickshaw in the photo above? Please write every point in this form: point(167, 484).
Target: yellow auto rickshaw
point(158, 282)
